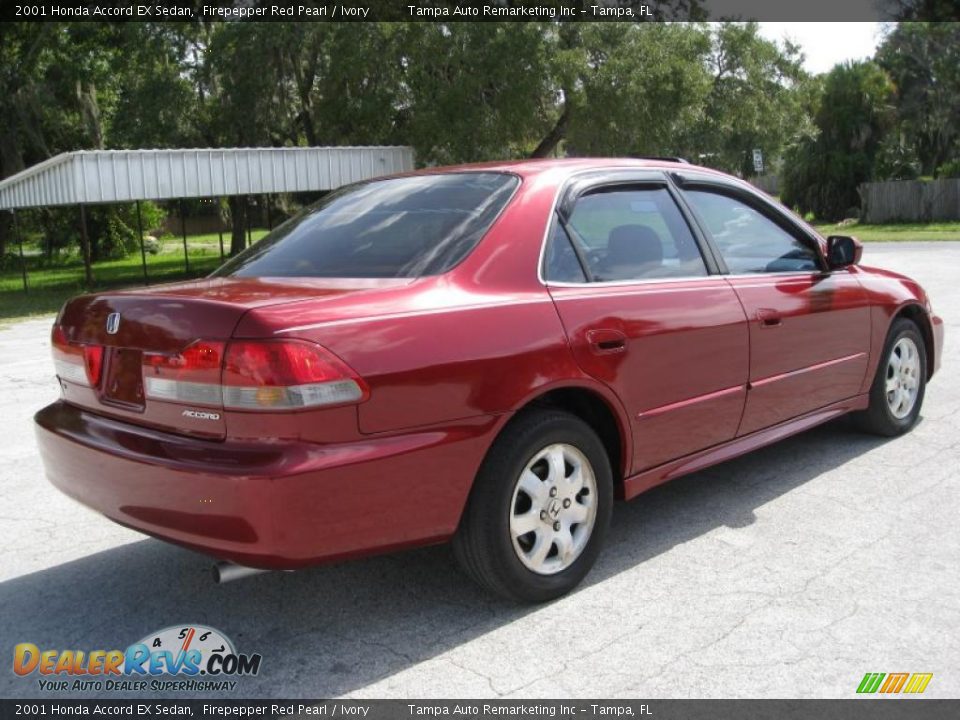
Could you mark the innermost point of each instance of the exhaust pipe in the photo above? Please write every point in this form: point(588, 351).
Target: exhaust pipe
point(224, 572)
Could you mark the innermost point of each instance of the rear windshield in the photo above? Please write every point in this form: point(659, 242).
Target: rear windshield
point(400, 227)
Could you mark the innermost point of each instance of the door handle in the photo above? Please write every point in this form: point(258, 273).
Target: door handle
point(769, 318)
point(606, 341)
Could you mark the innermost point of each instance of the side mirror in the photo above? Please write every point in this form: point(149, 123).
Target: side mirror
point(843, 251)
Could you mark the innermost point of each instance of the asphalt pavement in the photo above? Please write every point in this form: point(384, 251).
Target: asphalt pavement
point(790, 572)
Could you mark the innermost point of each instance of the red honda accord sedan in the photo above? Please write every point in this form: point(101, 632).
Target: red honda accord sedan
point(486, 353)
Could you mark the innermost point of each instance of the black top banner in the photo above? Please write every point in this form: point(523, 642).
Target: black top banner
point(488, 11)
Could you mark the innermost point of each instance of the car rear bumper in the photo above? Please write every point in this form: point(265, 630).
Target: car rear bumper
point(269, 504)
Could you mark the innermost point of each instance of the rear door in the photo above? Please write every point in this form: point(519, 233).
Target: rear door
point(809, 327)
point(643, 313)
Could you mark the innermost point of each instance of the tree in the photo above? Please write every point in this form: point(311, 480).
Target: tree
point(457, 92)
point(925, 10)
point(272, 84)
point(822, 172)
point(755, 98)
point(474, 91)
point(673, 89)
point(239, 94)
point(55, 82)
point(156, 103)
point(923, 60)
point(639, 90)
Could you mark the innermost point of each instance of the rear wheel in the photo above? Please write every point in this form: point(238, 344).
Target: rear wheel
point(896, 395)
point(539, 509)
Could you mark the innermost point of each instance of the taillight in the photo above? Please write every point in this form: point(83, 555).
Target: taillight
point(76, 362)
point(252, 375)
point(93, 363)
point(286, 374)
point(192, 375)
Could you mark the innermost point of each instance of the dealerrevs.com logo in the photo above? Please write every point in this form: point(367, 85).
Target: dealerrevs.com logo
point(201, 658)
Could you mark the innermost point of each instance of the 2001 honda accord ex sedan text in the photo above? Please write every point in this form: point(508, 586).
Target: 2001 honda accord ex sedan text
point(487, 353)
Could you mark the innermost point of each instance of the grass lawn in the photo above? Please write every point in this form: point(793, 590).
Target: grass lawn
point(49, 286)
point(895, 232)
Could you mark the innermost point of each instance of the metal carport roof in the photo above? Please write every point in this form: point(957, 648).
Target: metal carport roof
point(109, 176)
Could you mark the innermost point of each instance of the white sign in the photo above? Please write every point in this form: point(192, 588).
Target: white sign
point(757, 160)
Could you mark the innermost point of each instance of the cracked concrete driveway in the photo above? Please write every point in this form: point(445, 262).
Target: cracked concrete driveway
point(787, 573)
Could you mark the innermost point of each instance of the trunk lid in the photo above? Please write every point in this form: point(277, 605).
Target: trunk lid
point(136, 326)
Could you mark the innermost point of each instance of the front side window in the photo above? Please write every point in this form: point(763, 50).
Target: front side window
point(625, 233)
point(749, 241)
point(398, 227)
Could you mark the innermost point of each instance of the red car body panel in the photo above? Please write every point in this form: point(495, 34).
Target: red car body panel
point(692, 372)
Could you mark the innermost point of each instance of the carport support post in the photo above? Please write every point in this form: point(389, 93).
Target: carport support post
point(143, 253)
point(246, 218)
point(23, 263)
point(85, 247)
point(269, 214)
point(220, 226)
point(183, 227)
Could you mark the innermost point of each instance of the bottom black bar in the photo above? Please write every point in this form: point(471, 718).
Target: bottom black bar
point(873, 708)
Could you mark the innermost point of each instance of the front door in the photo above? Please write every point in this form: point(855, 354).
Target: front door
point(644, 315)
point(809, 327)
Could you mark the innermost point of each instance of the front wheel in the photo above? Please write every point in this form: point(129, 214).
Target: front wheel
point(899, 385)
point(539, 509)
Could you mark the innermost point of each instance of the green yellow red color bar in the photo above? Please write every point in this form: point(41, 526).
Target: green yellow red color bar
point(894, 683)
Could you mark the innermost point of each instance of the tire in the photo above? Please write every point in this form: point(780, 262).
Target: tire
point(896, 394)
point(512, 492)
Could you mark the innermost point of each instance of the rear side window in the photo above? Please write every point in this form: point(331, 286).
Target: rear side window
point(749, 241)
point(626, 233)
point(399, 227)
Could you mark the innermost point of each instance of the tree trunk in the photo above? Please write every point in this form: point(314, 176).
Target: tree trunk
point(90, 111)
point(238, 223)
point(11, 162)
point(556, 134)
point(305, 79)
point(571, 38)
point(6, 230)
point(306, 124)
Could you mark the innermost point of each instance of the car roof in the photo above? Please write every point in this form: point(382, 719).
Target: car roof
point(530, 167)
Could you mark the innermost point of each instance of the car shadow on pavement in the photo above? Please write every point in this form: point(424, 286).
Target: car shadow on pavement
point(330, 630)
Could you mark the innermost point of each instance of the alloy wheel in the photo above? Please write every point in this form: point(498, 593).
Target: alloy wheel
point(903, 377)
point(554, 509)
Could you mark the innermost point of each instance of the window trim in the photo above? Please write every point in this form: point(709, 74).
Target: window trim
point(591, 180)
point(570, 233)
point(688, 180)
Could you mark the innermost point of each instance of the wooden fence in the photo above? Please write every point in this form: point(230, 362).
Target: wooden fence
point(910, 201)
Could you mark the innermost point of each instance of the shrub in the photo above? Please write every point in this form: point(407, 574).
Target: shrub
point(950, 169)
point(9, 261)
